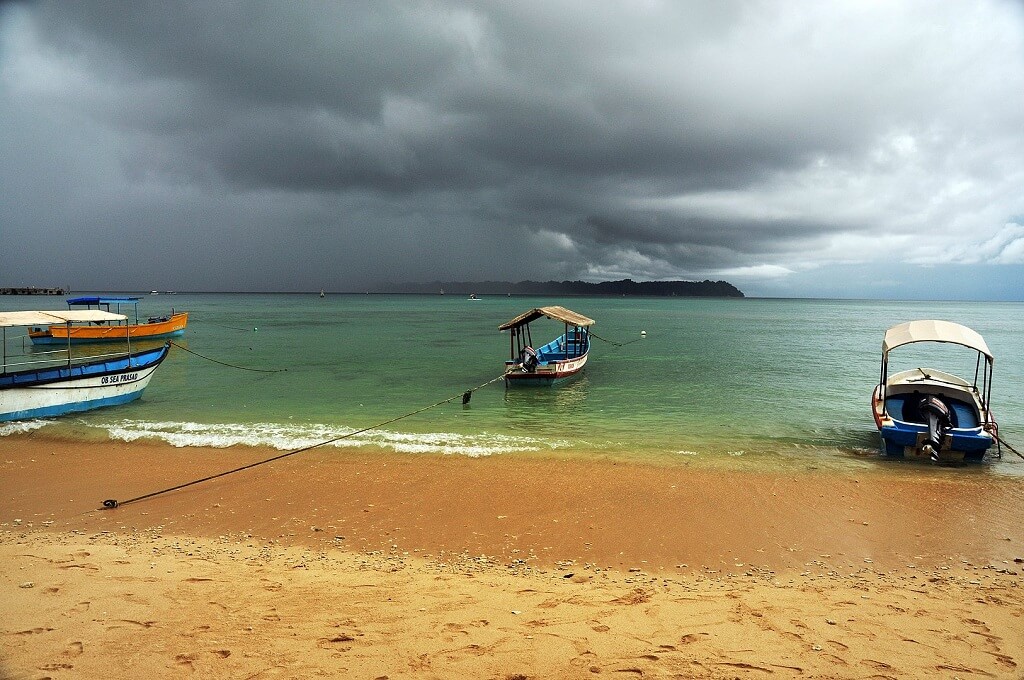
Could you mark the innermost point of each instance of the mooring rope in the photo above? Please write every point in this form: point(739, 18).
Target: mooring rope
point(465, 396)
point(1007, 445)
point(618, 344)
point(241, 368)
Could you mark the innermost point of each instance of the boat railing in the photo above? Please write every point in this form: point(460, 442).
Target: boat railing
point(63, 356)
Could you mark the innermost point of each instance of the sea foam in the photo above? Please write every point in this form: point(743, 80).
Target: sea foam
point(21, 427)
point(289, 437)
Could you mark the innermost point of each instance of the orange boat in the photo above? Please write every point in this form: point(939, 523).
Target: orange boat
point(154, 328)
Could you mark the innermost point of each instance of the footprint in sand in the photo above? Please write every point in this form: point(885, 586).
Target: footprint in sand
point(337, 639)
point(74, 649)
point(56, 667)
point(186, 660)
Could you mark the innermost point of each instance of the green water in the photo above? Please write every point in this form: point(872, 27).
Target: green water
point(715, 381)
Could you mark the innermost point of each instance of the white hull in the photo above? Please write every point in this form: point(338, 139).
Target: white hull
point(75, 394)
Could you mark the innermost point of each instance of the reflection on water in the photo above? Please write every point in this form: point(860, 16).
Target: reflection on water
point(531, 409)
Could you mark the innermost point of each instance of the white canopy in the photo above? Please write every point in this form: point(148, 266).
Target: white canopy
point(9, 319)
point(933, 331)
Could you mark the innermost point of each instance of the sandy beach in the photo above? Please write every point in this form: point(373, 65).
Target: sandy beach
point(369, 565)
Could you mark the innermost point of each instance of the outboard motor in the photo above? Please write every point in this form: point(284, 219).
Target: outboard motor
point(528, 359)
point(936, 415)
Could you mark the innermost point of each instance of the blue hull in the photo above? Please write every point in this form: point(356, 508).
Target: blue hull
point(901, 438)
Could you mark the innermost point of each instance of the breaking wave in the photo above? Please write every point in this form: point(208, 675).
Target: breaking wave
point(289, 437)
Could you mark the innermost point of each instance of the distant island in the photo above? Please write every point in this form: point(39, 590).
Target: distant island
point(617, 288)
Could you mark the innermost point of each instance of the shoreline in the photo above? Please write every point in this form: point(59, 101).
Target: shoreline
point(370, 564)
point(607, 513)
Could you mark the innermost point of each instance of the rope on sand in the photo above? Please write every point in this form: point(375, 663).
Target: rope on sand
point(464, 396)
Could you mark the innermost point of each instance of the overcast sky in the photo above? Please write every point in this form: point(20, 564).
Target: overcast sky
point(836, 149)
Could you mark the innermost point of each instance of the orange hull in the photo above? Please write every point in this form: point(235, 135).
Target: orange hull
point(173, 327)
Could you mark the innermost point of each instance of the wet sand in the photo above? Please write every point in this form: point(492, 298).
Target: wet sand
point(368, 564)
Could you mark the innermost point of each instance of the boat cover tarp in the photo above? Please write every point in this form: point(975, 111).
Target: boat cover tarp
point(928, 330)
point(94, 300)
point(11, 319)
point(555, 312)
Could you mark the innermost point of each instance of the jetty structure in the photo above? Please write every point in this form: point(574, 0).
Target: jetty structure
point(32, 290)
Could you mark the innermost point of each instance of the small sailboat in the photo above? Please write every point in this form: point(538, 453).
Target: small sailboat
point(155, 328)
point(555, 362)
point(928, 413)
point(54, 383)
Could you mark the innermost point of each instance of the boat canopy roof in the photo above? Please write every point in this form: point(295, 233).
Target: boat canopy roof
point(555, 312)
point(10, 319)
point(101, 300)
point(927, 330)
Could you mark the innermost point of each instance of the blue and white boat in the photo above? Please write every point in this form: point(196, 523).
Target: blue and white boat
point(931, 414)
point(555, 362)
point(53, 383)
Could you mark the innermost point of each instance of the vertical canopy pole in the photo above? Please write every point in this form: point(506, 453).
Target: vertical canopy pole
point(881, 380)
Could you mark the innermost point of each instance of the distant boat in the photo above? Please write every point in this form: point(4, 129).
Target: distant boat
point(555, 362)
point(53, 383)
point(155, 328)
point(927, 413)
point(472, 296)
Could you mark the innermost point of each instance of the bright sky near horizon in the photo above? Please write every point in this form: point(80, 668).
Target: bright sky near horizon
point(832, 149)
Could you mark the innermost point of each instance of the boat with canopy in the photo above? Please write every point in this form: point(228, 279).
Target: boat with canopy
point(932, 414)
point(50, 383)
point(154, 328)
point(552, 363)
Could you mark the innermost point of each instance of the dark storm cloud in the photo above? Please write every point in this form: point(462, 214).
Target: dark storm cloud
point(339, 144)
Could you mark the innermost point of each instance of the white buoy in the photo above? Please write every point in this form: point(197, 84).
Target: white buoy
point(643, 334)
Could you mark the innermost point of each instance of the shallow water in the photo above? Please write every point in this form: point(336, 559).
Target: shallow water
point(719, 382)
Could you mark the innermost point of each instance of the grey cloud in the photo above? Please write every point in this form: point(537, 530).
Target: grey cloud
point(432, 139)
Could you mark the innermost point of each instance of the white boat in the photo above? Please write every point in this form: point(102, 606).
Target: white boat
point(51, 383)
point(927, 413)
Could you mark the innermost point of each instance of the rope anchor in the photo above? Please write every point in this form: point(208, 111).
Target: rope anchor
point(643, 335)
point(241, 368)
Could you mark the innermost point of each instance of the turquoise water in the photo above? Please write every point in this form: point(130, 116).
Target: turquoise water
point(715, 381)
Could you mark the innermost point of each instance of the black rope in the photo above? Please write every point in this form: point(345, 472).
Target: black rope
point(617, 344)
point(242, 368)
point(464, 396)
point(1007, 445)
point(233, 328)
